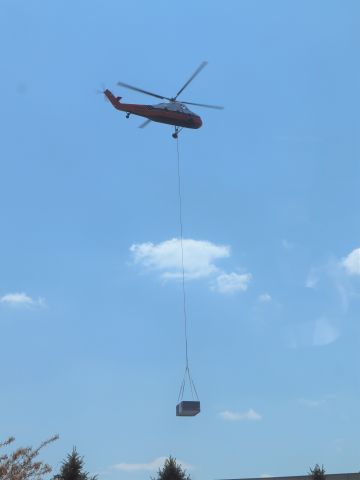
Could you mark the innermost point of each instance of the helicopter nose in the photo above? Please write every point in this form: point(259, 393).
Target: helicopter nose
point(198, 122)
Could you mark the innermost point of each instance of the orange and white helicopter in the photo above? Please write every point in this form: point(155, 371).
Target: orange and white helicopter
point(173, 112)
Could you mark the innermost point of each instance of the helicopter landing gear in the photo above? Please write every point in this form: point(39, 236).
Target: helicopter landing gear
point(128, 114)
point(176, 133)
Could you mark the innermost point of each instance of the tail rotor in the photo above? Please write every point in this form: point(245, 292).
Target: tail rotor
point(101, 91)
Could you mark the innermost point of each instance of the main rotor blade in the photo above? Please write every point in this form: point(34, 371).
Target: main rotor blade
point(197, 71)
point(130, 87)
point(144, 124)
point(217, 107)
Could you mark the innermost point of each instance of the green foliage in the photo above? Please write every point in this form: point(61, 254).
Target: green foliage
point(317, 473)
point(72, 468)
point(172, 471)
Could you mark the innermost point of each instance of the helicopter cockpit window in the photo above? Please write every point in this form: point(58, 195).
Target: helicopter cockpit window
point(174, 107)
point(186, 110)
point(163, 106)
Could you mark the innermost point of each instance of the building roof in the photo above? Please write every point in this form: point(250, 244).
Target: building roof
point(328, 476)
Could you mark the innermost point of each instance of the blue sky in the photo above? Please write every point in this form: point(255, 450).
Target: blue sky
point(91, 321)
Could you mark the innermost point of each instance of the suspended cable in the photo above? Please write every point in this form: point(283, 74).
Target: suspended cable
point(187, 369)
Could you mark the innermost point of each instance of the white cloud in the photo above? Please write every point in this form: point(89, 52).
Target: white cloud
point(21, 299)
point(147, 467)
point(264, 298)
point(199, 262)
point(324, 333)
point(250, 415)
point(135, 467)
point(165, 257)
point(351, 263)
point(232, 282)
point(310, 403)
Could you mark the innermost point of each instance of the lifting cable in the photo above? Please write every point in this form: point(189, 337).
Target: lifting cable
point(187, 368)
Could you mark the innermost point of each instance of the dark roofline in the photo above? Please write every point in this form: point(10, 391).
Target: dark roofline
point(328, 476)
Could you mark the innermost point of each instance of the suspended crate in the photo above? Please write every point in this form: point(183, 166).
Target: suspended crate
point(187, 408)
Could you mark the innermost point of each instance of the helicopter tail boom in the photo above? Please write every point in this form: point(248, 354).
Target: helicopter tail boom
point(115, 101)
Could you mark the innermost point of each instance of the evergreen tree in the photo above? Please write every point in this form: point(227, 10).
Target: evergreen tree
point(172, 471)
point(317, 473)
point(72, 468)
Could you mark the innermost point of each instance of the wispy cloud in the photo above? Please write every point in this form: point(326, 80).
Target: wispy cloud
point(324, 332)
point(311, 403)
point(264, 298)
point(351, 262)
point(200, 257)
point(312, 279)
point(336, 284)
point(250, 415)
point(317, 333)
point(232, 282)
point(339, 445)
point(147, 467)
point(334, 277)
point(286, 244)
point(21, 299)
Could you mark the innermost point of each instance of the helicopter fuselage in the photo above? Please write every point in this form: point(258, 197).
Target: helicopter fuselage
point(172, 113)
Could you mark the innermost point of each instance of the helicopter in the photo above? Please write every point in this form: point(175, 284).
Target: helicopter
point(173, 112)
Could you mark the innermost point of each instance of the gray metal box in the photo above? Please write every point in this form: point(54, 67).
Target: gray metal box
point(187, 408)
